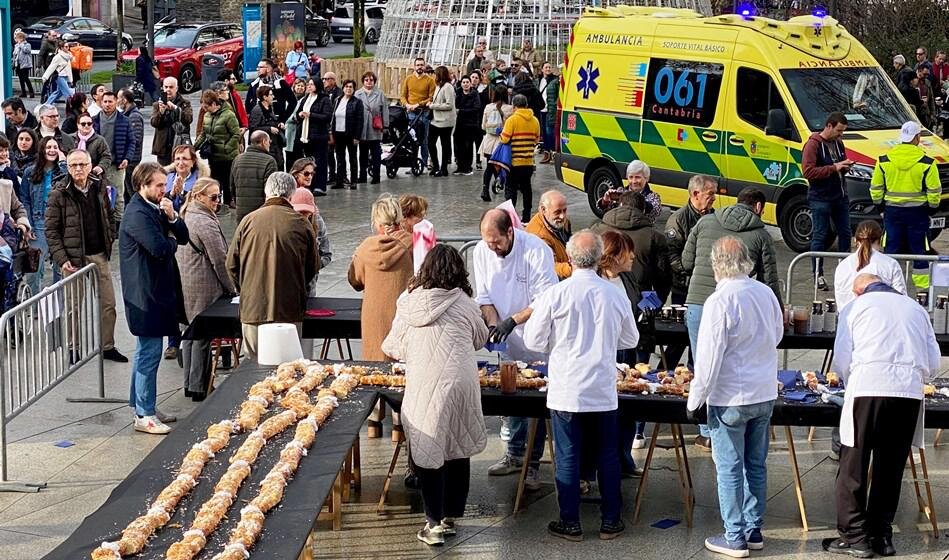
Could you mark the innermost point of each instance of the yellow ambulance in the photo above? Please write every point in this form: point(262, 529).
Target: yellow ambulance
point(731, 96)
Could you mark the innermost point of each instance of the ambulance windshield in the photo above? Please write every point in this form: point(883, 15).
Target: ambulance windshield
point(865, 95)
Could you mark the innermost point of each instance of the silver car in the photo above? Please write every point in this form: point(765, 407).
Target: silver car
point(342, 23)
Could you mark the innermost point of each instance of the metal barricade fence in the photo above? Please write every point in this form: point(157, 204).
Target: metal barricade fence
point(806, 257)
point(36, 77)
point(467, 242)
point(44, 340)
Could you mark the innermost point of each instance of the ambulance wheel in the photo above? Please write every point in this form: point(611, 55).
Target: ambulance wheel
point(417, 167)
point(602, 179)
point(796, 223)
point(391, 170)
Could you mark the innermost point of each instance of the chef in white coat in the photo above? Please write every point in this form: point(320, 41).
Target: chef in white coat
point(512, 268)
point(866, 259)
point(883, 410)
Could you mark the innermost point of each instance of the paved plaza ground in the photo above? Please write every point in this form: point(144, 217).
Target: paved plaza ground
point(106, 448)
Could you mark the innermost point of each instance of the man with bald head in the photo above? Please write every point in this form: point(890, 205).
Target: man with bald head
point(582, 322)
point(250, 171)
point(735, 365)
point(550, 223)
point(511, 269)
point(882, 415)
point(171, 110)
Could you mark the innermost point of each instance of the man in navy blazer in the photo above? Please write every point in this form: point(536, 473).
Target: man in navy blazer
point(151, 287)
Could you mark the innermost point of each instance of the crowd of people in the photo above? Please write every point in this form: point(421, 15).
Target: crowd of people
point(74, 186)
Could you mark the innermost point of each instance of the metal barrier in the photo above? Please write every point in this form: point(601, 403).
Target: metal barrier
point(908, 259)
point(44, 340)
point(36, 77)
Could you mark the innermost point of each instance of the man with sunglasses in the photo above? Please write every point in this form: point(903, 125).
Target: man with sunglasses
point(250, 171)
point(80, 229)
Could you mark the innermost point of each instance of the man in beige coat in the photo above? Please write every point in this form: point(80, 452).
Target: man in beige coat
point(272, 259)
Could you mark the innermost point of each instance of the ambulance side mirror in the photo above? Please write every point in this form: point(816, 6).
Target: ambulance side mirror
point(779, 124)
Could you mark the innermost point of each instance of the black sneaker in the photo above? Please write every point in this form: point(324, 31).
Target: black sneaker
point(611, 529)
point(840, 546)
point(821, 284)
point(114, 356)
point(318, 192)
point(411, 481)
point(883, 546)
point(567, 531)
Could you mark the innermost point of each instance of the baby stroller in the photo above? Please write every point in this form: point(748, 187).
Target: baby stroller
point(403, 136)
point(13, 289)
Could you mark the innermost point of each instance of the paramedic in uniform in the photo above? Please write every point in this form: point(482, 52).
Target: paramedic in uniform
point(906, 182)
point(882, 414)
point(511, 269)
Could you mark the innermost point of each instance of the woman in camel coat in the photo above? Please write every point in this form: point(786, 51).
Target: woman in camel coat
point(437, 330)
point(382, 267)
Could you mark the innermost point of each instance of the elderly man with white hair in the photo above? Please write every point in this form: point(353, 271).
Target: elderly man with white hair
point(637, 178)
point(883, 410)
point(280, 238)
point(582, 322)
point(170, 114)
point(735, 367)
point(551, 224)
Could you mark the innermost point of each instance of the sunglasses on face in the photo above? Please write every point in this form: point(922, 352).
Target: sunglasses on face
point(306, 173)
point(214, 197)
point(85, 123)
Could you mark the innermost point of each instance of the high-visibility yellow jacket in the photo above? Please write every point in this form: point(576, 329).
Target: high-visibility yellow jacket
point(906, 177)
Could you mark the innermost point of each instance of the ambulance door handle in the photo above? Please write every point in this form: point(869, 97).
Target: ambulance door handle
point(736, 140)
point(709, 136)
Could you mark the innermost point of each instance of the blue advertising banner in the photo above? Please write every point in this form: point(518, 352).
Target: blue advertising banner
point(253, 39)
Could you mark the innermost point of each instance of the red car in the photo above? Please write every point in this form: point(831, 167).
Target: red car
point(180, 46)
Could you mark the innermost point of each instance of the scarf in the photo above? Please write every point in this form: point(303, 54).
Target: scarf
point(83, 139)
point(305, 104)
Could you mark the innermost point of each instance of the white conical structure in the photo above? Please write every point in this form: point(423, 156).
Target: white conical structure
point(445, 31)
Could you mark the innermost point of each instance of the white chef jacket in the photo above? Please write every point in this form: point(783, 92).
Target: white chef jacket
point(512, 283)
point(884, 266)
point(885, 347)
point(581, 322)
point(742, 323)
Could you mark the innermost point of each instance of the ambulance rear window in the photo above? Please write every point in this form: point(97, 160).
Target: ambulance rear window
point(865, 95)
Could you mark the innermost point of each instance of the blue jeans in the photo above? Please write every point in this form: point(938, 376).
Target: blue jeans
point(548, 132)
point(143, 388)
point(62, 91)
point(570, 431)
point(693, 317)
point(740, 450)
point(906, 232)
point(822, 214)
point(519, 427)
point(421, 134)
point(36, 279)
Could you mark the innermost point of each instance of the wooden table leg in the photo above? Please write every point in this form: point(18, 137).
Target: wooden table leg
point(912, 469)
point(307, 553)
point(334, 506)
point(326, 349)
point(688, 469)
point(357, 465)
point(810, 434)
point(641, 489)
point(931, 507)
point(798, 488)
point(347, 474)
point(938, 437)
point(679, 445)
point(339, 348)
point(531, 436)
point(381, 508)
point(349, 350)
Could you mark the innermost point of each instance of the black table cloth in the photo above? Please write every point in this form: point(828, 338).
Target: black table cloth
point(222, 320)
point(286, 527)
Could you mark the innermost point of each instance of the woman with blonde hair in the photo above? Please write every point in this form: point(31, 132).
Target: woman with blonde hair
point(866, 259)
point(204, 277)
point(382, 268)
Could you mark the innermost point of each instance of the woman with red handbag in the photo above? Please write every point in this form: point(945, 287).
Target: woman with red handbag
point(375, 121)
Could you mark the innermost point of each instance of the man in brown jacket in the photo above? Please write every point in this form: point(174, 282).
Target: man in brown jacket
point(172, 108)
point(80, 229)
point(550, 223)
point(272, 259)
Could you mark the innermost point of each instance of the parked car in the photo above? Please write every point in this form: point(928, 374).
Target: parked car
point(167, 20)
point(317, 27)
point(87, 31)
point(180, 46)
point(342, 23)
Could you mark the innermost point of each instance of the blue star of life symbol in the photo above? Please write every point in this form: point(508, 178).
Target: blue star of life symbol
point(588, 76)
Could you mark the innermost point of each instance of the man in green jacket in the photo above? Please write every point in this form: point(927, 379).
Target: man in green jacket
point(743, 220)
point(906, 183)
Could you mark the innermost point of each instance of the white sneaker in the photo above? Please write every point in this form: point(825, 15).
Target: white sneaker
point(505, 430)
point(432, 536)
point(639, 442)
point(507, 465)
point(532, 481)
point(447, 527)
point(151, 425)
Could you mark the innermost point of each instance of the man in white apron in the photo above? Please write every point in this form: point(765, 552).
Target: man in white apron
point(883, 410)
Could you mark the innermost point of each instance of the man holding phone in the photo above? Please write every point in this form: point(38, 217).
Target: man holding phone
point(825, 164)
point(172, 108)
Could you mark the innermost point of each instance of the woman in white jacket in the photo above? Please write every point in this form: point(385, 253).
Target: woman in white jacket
point(61, 67)
point(492, 123)
point(443, 121)
point(866, 259)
